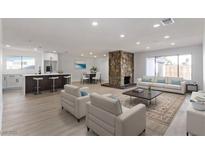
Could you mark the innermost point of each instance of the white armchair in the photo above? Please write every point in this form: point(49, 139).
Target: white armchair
point(106, 116)
point(195, 122)
point(72, 101)
point(196, 115)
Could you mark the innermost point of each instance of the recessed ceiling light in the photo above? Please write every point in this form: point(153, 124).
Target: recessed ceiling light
point(122, 35)
point(94, 23)
point(166, 36)
point(147, 48)
point(82, 54)
point(172, 43)
point(54, 51)
point(8, 46)
point(104, 55)
point(138, 43)
point(156, 25)
point(90, 53)
point(95, 56)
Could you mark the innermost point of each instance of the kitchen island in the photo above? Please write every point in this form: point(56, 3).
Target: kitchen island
point(29, 83)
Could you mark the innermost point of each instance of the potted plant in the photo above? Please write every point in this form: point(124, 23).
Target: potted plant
point(93, 69)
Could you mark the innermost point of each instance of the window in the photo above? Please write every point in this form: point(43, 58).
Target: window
point(20, 62)
point(166, 66)
point(185, 66)
point(28, 63)
point(13, 63)
point(169, 66)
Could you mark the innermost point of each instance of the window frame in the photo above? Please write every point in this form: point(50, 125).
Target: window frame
point(179, 65)
point(178, 55)
point(21, 61)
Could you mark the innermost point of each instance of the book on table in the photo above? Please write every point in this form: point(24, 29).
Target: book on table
point(139, 90)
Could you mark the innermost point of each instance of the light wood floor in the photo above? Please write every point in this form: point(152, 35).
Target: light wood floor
point(38, 115)
point(42, 114)
point(178, 125)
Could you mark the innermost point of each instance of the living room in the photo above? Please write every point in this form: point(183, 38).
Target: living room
point(122, 76)
point(165, 67)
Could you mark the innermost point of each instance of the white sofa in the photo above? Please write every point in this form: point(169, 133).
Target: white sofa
point(72, 101)
point(196, 115)
point(169, 84)
point(105, 116)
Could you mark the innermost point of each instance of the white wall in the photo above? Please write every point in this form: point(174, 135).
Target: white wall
point(204, 57)
point(22, 52)
point(1, 100)
point(102, 65)
point(195, 51)
point(66, 64)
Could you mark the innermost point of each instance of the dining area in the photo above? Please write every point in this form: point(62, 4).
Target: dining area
point(90, 77)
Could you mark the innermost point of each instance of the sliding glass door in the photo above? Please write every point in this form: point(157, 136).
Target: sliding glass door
point(166, 66)
point(169, 66)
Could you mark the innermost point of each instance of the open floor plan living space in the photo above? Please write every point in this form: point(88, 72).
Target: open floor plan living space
point(102, 76)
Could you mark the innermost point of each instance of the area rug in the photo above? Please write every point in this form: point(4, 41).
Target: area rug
point(159, 115)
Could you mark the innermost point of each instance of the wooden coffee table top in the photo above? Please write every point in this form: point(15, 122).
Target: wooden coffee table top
point(145, 94)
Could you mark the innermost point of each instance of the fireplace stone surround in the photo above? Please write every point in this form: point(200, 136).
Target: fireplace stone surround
point(121, 68)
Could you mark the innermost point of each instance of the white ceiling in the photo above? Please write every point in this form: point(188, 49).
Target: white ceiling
point(79, 36)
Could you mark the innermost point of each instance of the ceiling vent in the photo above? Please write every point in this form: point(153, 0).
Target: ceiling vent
point(167, 21)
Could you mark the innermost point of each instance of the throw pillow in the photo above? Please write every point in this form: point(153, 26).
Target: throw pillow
point(117, 101)
point(160, 81)
point(83, 93)
point(175, 82)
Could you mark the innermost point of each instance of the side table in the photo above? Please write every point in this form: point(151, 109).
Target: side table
point(191, 87)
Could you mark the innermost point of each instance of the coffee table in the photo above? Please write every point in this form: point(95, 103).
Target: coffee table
point(145, 94)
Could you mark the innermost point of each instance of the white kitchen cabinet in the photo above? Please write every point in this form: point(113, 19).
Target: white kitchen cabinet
point(12, 81)
point(50, 57)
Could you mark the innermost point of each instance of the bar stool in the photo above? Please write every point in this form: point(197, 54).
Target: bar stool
point(67, 79)
point(53, 89)
point(37, 85)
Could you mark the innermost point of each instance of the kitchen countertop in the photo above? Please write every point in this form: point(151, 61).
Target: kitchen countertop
point(46, 74)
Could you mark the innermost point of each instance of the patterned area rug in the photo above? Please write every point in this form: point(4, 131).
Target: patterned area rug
point(160, 114)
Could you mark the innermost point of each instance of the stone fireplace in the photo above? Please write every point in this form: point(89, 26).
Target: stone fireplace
point(121, 68)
